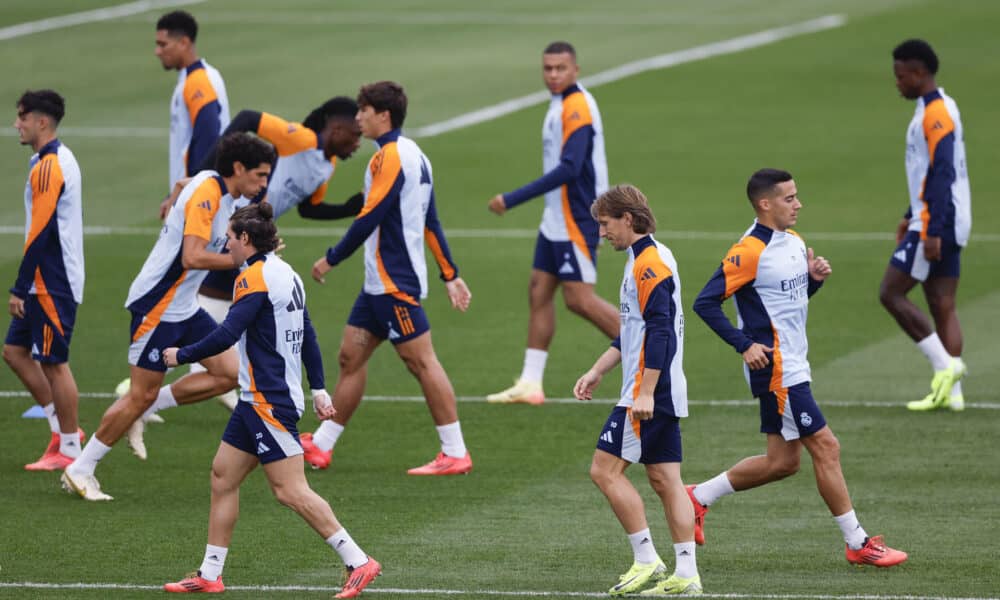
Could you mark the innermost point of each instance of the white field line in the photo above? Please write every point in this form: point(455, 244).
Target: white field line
point(333, 232)
point(489, 113)
point(89, 16)
point(474, 593)
point(663, 61)
point(480, 399)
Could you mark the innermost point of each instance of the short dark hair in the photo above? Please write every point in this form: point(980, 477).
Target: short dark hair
point(340, 107)
point(257, 221)
point(47, 102)
point(560, 48)
point(249, 150)
point(917, 50)
point(764, 181)
point(625, 198)
point(179, 22)
point(385, 96)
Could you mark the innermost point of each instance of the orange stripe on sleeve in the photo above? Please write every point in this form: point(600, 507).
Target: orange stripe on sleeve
point(250, 281)
point(740, 264)
point(198, 93)
point(435, 246)
point(576, 114)
point(199, 212)
point(288, 138)
point(46, 185)
point(385, 169)
point(648, 271)
point(937, 124)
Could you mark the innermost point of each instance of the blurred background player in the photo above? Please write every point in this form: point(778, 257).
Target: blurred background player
point(269, 299)
point(771, 275)
point(199, 108)
point(398, 217)
point(49, 284)
point(307, 154)
point(935, 227)
point(163, 306)
point(576, 172)
point(644, 426)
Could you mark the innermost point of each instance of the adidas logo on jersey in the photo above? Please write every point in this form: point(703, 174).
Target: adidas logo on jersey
point(606, 437)
point(648, 274)
point(734, 259)
point(205, 204)
point(262, 448)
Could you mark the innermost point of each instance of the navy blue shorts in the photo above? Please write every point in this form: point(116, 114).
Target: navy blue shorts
point(46, 328)
point(656, 440)
point(792, 412)
point(267, 431)
point(566, 260)
point(388, 317)
point(909, 258)
point(147, 347)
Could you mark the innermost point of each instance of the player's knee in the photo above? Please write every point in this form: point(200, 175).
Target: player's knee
point(940, 305)
point(9, 355)
point(418, 364)
point(601, 477)
point(826, 449)
point(888, 297)
point(785, 467)
point(291, 496)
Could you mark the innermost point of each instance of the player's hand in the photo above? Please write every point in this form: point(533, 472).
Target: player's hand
point(170, 357)
point(642, 408)
point(497, 205)
point(585, 385)
point(323, 405)
point(932, 248)
point(819, 267)
point(165, 206)
point(901, 229)
point(458, 293)
point(16, 306)
point(756, 356)
point(321, 268)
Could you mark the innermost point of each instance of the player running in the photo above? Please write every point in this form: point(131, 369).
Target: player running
point(771, 275)
point(163, 305)
point(270, 321)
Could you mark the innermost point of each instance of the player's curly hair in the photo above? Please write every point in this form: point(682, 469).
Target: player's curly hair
point(918, 50)
point(248, 150)
point(340, 107)
point(178, 23)
point(257, 221)
point(385, 96)
point(625, 198)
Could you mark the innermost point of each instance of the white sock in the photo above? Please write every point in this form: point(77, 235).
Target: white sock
point(713, 489)
point(69, 444)
point(92, 454)
point(956, 390)
point(452, 443)
point(50, 414)
point(854, 533)
point(934, 350)
point(687, 566)
point(164, 400)
point(327, 434)
point(211, 565)
point(534, 365)
point(642, 547)
point(349, 551)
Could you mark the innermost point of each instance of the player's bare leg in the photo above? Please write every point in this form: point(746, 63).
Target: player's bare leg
point(940, 293)
point(780, 461)
point(893, 294)
point(583, 300)
point(229, 468)
point(824, 448)
point(64, 394)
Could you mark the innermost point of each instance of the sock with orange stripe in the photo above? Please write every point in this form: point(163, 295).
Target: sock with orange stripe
point(349, 551)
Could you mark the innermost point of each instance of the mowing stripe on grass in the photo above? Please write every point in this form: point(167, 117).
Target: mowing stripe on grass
point(527, 234)
point(474, 593)
point(480, 399)
point(89, 16)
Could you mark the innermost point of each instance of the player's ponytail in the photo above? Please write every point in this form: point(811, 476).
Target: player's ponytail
point(257, 221)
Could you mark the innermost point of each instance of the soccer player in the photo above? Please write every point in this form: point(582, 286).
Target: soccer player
point(270, 321)
point(162, 301)
point(644, 426)
point(398, 217)
point(771, 275)
point(49, 284)
point(576, 172)
point(199, 109)
point(935, 227)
